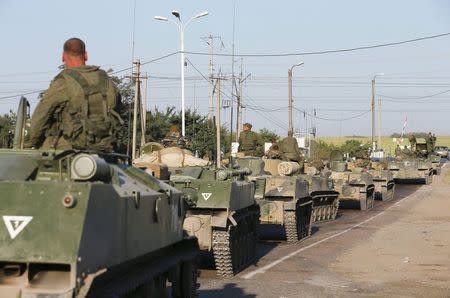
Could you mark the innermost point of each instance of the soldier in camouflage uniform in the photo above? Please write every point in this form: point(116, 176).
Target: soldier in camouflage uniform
point(289, 149)
point(412, 141)
point(249, 142)
point(78, 111)
point(173, 137)
point(274, 150)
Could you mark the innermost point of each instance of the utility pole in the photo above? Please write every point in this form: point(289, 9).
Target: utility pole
point(379, 122)
point(136, 77)
point(210, 42)
point(218, 155)
point(239, 107)
point(374, 146)
point(144, 111)
point(211, 79)
point(290, 99)
point(374, 143)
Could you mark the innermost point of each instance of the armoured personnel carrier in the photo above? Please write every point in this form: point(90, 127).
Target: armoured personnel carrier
point(383, 179)
point(284, 200)
point(413, 165)
point(321, 188)
point(412, 170)
point(356, 188)
point(222, 212)
point(425, 149)
point(79, 224)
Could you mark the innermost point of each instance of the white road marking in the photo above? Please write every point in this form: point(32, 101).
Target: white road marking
point(276, 262)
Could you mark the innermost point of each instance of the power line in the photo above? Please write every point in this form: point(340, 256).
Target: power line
point(414, 97)
point(261, 113)
point(23, 94)
point(335, 119)
point(147, 62)
point(328, 51)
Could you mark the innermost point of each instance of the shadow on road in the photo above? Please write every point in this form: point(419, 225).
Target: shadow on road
point(229, 290)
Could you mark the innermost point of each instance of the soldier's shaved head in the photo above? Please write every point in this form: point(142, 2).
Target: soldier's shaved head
point(75, 47)
point(74, 54)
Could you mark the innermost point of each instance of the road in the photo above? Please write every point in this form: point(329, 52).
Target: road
point(397, 249)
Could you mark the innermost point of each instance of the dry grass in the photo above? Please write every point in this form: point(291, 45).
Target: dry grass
point(386, 142)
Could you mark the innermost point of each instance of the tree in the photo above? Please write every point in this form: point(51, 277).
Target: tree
point(7, 124)
point(267, 136)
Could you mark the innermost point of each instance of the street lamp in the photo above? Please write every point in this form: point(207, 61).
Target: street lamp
point(374, 145)
point(291, 128)
point(181, 27)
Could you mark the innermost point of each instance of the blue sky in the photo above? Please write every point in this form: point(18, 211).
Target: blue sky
point(336, 85)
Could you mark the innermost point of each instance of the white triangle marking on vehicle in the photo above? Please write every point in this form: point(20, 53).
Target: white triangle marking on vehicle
point(206, 195)
point(15, 224)
point(279, 189)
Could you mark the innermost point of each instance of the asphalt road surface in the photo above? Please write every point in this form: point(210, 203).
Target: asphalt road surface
point(399, 248)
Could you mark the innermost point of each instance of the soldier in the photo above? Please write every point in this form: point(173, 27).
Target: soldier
point(249, 142)
point(398, 151)
point(412, 141)
point(289, 149)
point(78, 111)
point(173, 137)
point(274, 150)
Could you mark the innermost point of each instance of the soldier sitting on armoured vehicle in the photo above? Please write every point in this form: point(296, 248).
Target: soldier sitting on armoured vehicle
point(274, 150)
point(78, 111)
point(173, 137)
point(289, 149)
point(249, 142)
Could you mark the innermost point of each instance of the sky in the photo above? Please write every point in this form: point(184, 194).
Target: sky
point(335, 87)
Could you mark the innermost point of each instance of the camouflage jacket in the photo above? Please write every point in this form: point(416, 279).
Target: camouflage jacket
point(60, 117)
point(250, 144)
point(289, 149)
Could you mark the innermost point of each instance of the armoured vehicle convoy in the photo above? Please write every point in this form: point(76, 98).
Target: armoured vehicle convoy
point(284, 200)
point(222, 212)
point(79, 224)
point(356, 188)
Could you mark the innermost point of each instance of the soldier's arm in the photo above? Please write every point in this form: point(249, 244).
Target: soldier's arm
point(55, 97)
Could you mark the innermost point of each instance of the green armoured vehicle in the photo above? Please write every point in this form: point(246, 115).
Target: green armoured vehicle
point(284, 200)
point(356, 188)
point(412, 170)
point(425, 149)
point(320, 186)
point(414, 165)
point(383, 179)
point(79, 224)
point(222, 212)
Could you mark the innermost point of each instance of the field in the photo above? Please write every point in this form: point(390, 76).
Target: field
point(386, 142)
